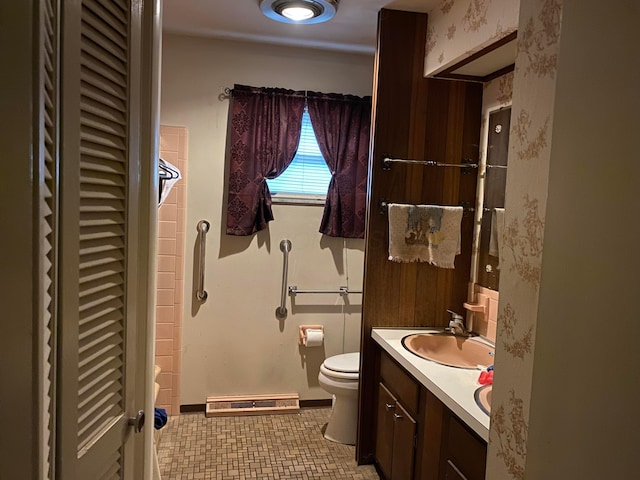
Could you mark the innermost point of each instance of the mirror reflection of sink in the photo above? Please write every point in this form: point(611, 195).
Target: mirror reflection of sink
point(483, 398)
point(446, 349)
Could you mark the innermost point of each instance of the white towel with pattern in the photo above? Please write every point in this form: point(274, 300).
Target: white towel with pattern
point(424, 233)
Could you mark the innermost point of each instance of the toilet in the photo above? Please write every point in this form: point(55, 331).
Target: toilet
point(339, 375)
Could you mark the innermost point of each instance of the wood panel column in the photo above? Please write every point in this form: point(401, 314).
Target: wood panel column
point(421, 119)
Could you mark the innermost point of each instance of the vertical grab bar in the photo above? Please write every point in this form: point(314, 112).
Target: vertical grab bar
point(203, 228)
point(281, 311)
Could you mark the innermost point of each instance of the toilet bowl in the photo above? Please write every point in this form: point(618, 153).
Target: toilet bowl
point(339, 375)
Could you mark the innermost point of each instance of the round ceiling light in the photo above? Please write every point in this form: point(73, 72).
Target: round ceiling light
point(299, 11)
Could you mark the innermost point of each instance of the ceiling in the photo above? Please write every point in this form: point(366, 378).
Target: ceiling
point(353, 29)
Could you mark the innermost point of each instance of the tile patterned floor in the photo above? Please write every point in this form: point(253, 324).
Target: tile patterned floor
point(256, 447)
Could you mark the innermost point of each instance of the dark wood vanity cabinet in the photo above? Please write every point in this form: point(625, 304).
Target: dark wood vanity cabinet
point(416, 436)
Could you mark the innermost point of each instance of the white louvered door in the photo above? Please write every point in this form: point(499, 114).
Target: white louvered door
point(98, 238)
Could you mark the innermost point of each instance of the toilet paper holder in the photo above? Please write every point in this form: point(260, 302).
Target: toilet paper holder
point(302, 332)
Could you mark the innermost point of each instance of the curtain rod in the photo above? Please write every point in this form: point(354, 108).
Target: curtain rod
point(367, 98)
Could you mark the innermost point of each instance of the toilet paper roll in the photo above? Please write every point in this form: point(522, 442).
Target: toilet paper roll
point(313, 337)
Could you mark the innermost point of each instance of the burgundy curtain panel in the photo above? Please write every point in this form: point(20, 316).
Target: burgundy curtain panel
point(265, 132)
point(341, 124)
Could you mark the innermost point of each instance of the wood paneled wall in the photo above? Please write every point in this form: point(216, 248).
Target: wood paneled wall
point(423, 119)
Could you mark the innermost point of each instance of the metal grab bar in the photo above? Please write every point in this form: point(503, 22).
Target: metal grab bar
point(294, 290)
point(203, 228)
point(281, 311)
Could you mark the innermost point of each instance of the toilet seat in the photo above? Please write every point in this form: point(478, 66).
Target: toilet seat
point(345, 366)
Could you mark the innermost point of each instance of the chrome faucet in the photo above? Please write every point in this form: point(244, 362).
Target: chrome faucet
point(456, 325)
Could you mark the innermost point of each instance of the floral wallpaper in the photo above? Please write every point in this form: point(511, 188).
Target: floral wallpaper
point(459, 28)
point(521, 259)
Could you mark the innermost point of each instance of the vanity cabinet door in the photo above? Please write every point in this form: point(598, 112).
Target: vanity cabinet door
point(464, 454)
point(404, 437)
point(452, 473)
point(395, 437)
point(384, 430)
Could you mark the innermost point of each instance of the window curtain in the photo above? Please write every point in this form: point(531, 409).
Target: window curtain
point(341, 124)
point(265, 132)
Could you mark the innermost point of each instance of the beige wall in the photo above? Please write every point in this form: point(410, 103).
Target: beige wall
point(586, 385)
point(233, 344)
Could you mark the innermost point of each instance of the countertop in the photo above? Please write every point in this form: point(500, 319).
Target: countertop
point(454, 387)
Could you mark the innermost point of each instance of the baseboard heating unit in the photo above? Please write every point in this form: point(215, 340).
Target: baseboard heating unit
point(252, 405)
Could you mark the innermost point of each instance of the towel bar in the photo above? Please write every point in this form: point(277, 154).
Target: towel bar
point(294, 290)
point(387, 161)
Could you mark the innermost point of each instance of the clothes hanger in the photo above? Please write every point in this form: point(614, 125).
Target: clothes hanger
point(165, 171)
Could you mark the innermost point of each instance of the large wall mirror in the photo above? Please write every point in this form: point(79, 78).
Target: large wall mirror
point(495, 181)
point(492, 181)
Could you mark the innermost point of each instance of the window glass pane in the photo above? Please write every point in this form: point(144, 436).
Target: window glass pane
point(308, 173)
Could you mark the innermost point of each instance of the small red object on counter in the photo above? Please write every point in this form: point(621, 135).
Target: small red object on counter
point(486, 378)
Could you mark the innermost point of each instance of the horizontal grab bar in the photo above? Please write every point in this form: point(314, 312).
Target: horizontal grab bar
point(294, 290)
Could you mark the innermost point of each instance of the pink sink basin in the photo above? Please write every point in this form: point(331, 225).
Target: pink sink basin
point(483, 398)
point(449, 350)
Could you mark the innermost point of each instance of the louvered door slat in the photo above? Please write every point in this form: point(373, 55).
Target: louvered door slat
point(102, 273)
point(98, 358)
point(101, 386)
point(101, 247)
point(98, 191)
point(103, 165)
point(97, 22)
point(105, 179)
point(108, 94)
point(100, 109)
point(101, 137)
point(107, 311)
point(106, 125)
point(48, 227)
point(98, 418)
point(98, 153)
point(110, 36)
point(105, 217)
point(95, 326)
point(102, 64)
point(47, 140)
point(112, 13)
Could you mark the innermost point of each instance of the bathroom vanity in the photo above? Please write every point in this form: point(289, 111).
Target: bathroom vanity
point(427, 425)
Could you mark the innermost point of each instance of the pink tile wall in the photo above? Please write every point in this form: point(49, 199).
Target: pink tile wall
point(171, 240)
point(487, 323)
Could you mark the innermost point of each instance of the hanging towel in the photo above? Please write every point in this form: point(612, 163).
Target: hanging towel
point(424, 233)
point(497, 229)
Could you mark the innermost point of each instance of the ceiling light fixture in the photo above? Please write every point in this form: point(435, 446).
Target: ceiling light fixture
point(299, 11)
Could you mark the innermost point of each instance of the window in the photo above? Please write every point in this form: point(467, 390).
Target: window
point(307, 178)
